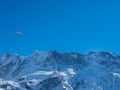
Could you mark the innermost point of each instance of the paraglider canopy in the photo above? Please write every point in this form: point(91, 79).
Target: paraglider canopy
point(18, 33)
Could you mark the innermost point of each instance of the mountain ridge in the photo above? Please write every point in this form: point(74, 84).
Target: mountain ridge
point(51, 70)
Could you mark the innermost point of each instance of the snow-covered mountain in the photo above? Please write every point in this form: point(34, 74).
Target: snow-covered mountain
point(60, 71)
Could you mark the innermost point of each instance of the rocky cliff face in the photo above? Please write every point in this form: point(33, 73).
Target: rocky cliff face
point(60, 71)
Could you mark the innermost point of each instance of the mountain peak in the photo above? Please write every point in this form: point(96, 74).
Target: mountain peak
point(51, 70)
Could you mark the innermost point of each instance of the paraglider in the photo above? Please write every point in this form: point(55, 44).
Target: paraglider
point(18, 33)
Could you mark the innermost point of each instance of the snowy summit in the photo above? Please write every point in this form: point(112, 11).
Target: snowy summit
point(60, 71)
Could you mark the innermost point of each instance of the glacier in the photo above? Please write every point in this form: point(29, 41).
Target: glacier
point(52, 70)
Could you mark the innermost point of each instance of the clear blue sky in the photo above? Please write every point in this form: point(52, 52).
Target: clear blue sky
point(62, 25)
